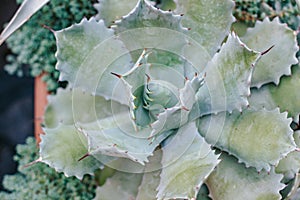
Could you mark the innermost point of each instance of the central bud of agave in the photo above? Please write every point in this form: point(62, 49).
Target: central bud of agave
point(155, 102)
point(156, 96)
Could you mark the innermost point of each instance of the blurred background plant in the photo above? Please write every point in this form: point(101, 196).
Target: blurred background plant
point(248, 11)
point(33, 47)
point(42, 182)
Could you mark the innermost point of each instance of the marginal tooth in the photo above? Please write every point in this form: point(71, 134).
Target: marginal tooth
point(133, 106)
point(48, 27)
point(148, 78)
point(185, 108)
point(83, 157)
point(148, 98)
point(148, 91)
point(146, 103)
point(132, 115)
point(266, 51)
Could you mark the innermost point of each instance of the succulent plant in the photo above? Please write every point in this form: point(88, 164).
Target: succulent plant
point(42, 182)
point(251, 11)
point(179, 105)
point(33, 46)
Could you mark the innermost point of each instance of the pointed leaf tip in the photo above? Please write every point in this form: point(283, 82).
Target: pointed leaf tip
point(276, 63)
point(83, 157)
point(117, 75)
point(49, 28)
point(32, 163)
point(266, 51)
point(23, 14)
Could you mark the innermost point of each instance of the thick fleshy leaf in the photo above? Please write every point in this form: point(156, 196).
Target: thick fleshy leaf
point(278, 61)
point(228, 77)
point(159, 96)
point(146, 15)
point(120, 186)
point(87, 54)
point(112, 10)
point(268, 131)
point(26, 10)
point(290, 165)
point(209, 20)
point(134, 83)
point(174, 117)
point(62, 147)
point(116, 136)
point(232, 180)
point(152, 28)
point(139, 186)
point(187, 161)
point(73, 106)
point(169, 67)
point(75, 43)
point(151, 178)
point(285, 96)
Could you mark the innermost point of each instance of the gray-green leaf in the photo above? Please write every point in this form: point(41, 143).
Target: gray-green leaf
point(232, 180)
point(278, 61)
point(209, 20)
point(228, 78)
point(237, 133)
point(187, 161)
point(62, 147)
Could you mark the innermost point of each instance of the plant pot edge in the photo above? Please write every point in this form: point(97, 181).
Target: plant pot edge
point(40, 103)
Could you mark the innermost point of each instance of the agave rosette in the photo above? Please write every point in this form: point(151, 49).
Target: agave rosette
point(151, 94)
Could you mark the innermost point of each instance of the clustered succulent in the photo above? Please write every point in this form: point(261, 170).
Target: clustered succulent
point(33, 46)
point(176, 103)
point(42, 182)
point(250, 11)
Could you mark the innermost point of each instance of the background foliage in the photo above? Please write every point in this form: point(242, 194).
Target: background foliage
point(42, 182)
point(33, 47)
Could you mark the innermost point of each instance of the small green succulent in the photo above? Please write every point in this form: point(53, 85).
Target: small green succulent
point(33, 46)
point(42, 182)
point(249, 11)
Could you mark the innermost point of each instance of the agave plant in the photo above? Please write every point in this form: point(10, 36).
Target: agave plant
point(176, 103)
